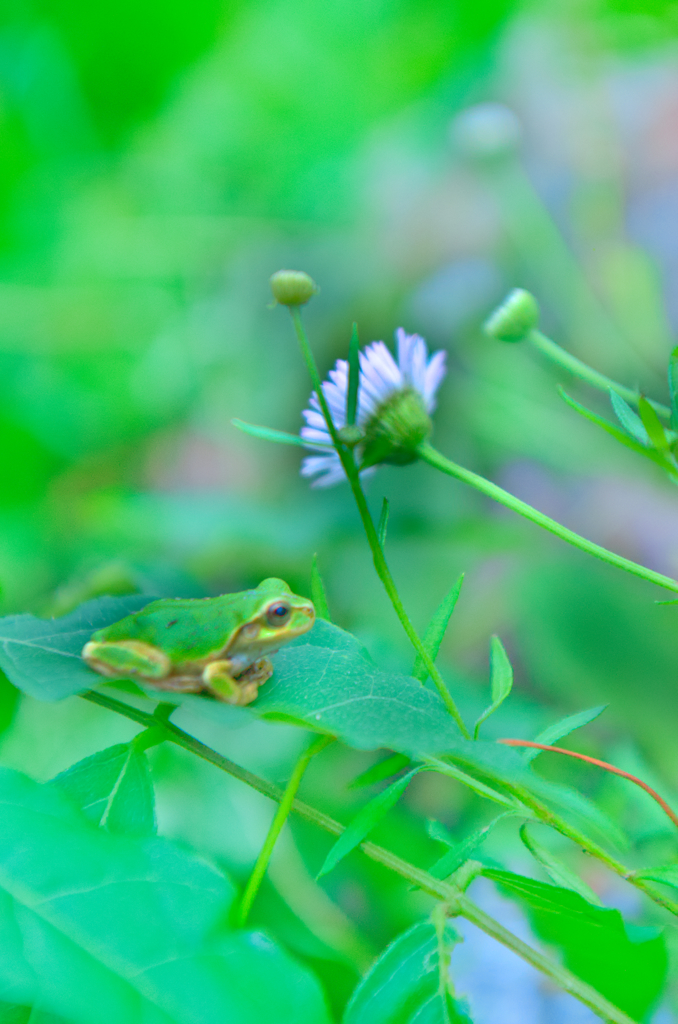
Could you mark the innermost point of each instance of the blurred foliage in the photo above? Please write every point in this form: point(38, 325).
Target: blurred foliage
point(157, 163)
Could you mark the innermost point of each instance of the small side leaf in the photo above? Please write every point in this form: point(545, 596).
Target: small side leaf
point(383, 523)
point(626, 963)
point(501, 680)
point(383, 769)
point(114, 789)
point(365, 820)
point(629, 420)
point(562, 728)
point(436, 629)
point(653, 425)
point(318, 593)
point(612, 430)
point(557, 871)
point(411, 981)
point(269, 434)
point(458, 851)
point(673, 384)
point(668, 874)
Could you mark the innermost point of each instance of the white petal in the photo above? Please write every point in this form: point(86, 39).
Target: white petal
point(327, 468)
point(435, 371)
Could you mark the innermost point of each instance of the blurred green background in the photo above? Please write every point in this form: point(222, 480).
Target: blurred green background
point(157, 163)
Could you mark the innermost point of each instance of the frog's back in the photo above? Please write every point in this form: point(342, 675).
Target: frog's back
point(196, 626)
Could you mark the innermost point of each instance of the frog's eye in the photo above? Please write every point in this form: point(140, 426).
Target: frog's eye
point(278, 613)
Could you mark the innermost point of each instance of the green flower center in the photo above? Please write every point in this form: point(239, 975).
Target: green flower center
point(396, 429)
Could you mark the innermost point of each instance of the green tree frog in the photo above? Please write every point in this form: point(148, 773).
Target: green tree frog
point(214, 645)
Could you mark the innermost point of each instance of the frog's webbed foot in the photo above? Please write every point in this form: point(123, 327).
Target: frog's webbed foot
point(220, 683)
point(127, 659)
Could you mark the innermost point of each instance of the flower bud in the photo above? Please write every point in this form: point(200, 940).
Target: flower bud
point(395, 430)
point(515, 318)
point(292, 287)
point(351, 436)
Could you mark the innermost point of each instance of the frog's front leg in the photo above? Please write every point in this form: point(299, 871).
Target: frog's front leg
point(127, 658)
point(222, 684)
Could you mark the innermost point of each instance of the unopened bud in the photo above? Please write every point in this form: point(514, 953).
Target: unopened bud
point(397, 428)
point(351, 436)
point(515, 318)
point(292, 287)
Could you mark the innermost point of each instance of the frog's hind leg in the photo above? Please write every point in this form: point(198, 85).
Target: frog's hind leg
point(131, 658)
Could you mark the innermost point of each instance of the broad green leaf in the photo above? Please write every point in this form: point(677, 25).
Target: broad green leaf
point(459, 851)
point(383, 523)
point(557, 871)
point(318, 592)
point(625, 963)
point(673, 384)
point(410, 983)
point(367, 818)
point(630, 420)
point(383, 769)
point(277, 436)
point(668, 874)
point(501, 680)
point(101, 928)
point(653, 426)
point(436, 629)
point(562, 728)
point(114, 789)
point(353, 377)
point(42, 656)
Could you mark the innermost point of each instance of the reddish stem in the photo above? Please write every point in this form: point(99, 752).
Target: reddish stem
point(600, 764)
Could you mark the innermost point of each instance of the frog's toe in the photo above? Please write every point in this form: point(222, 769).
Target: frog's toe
point(218, 681)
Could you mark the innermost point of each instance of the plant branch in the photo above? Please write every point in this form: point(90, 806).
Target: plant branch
point(600, 764)
point(378, 557)
point(279, 819)
point(575, 366)
point(458, 903)
point(467, 476)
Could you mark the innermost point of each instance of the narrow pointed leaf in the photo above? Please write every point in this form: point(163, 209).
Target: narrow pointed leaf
point(557, 870)
point(626, 963)
point(673, 384)
point(668, 874)
point(353, 377)
point(410, 981)
point(114, 789)
point(653, 425)
point(459, 851)
point(501, 680)
point(381, 770)
point(563, 728)
point(613, 431)
point(269, 434)
point(629, 420)
point(365, 820)
point(436, 629)
point(318, 593)
point(383, 523)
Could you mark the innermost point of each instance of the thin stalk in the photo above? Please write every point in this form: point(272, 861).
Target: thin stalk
point(438, 461)
point(458, 903)
point(599, 764)
point(279, 819)
point(575, 366)
point(378, 557)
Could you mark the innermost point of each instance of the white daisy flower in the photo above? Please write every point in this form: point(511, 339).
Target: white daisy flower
point(395, 400)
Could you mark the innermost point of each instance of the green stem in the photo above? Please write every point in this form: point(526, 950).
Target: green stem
point(579, 369)
point(378, 557)
point(280, 817)
point(438, 461)
point(457, 901)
